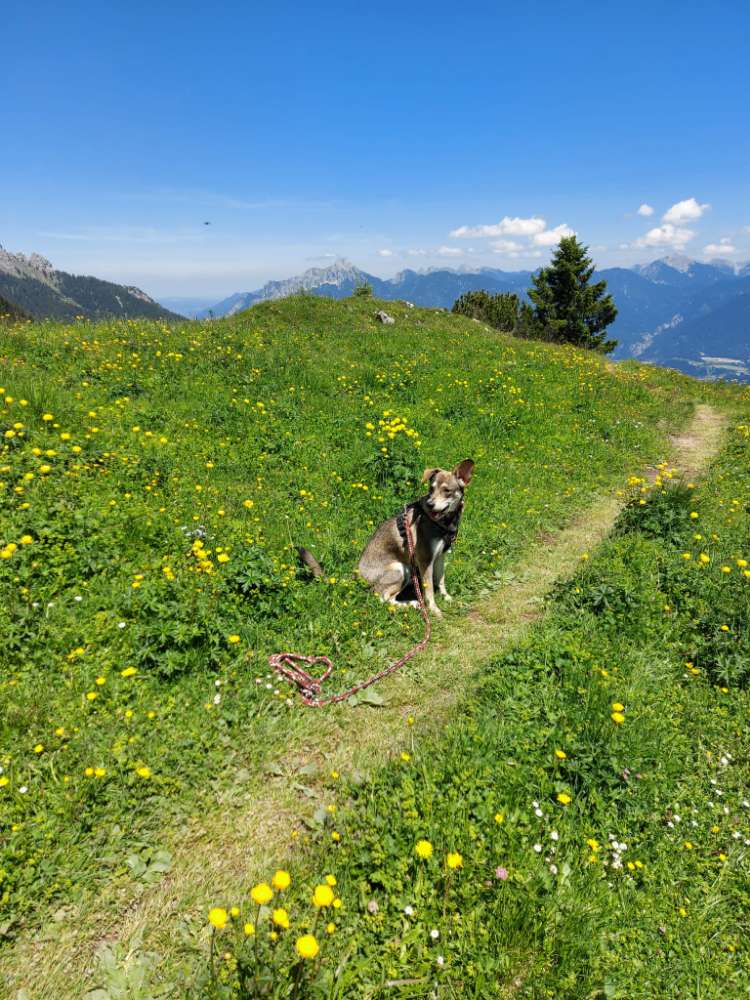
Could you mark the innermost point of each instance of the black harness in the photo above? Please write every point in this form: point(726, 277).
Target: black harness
point(447, 526)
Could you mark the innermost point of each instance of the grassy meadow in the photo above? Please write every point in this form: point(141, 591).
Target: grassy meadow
point(582, 827)
point(155, 481)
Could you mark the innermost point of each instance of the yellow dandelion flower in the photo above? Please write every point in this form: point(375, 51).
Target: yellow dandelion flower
point(217, 917)
point(307, 946)
point(323, 895)
point(261, 893)
point(281, 879)
point(423, 849)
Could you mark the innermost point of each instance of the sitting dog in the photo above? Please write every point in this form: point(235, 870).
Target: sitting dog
point(433, 521)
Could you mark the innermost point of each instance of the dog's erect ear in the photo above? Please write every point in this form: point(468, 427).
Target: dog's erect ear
point(428, 474)
point(464, 471)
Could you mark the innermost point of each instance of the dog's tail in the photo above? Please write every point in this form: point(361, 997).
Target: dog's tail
point(308, 559)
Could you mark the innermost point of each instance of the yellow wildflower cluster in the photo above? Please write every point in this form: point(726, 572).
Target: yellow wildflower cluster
point(390, 426)
point(278, 919)
point(203, 558)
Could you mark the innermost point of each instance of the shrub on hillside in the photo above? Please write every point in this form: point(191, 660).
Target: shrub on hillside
point(501, 311)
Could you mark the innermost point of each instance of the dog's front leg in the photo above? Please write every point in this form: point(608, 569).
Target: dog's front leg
point(427, 573)
point(440, 575)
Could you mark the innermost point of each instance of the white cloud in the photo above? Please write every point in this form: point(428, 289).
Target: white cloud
point(449, 252)
point(505, 227)
point(419, 252)
point(385, 253)
point(506, 246)
point(684, 211)
point(724, 246)
point(645, 209)
point(550, 237)
point(665, 236)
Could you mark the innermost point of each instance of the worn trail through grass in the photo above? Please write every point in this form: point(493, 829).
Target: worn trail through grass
point(245, 835)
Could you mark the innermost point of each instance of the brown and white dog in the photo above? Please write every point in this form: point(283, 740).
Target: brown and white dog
point(434, 518)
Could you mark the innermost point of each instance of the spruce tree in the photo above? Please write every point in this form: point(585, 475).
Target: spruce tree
point(567, 308)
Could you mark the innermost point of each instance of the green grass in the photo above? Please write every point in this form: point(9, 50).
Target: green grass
point(602, 854)
point(246, 436)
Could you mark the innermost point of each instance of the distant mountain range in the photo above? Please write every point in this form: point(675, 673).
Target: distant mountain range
point(33, 286)
point(436, 287)
point(677, 312)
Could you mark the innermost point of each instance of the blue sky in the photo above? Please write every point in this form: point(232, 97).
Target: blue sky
point(398, 135)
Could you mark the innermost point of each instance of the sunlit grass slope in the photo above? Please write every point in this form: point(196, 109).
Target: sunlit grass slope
point(582, 829)
point(154, 482)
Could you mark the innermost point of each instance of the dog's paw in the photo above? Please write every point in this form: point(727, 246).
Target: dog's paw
point(436, 612)
point(447, 597)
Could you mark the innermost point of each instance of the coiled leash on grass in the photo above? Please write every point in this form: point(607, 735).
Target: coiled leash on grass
point(310, 688)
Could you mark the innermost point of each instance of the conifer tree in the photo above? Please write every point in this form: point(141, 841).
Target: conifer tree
point(567, 308)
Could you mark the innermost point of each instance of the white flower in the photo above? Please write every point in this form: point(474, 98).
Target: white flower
point(538, 848)
point(23, 789)
point(553, 869)
point(409, 911)
point(538, 812)
point(555, 835)
point(78, 598)
point(217, 699)
point(434, 933)
point(121, 624)
point(217, 684)
point(440, 960)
